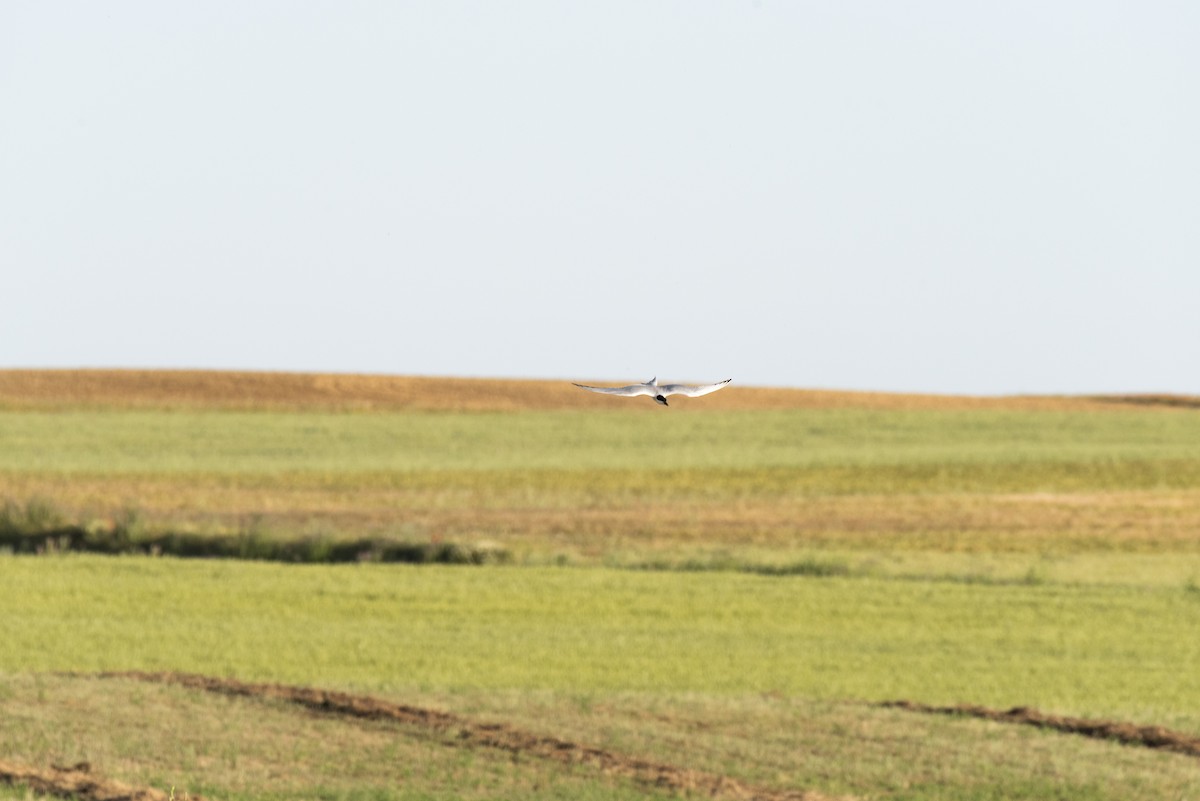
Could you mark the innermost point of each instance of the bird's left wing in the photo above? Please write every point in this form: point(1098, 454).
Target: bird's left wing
point(630, 391)
point(692, 391)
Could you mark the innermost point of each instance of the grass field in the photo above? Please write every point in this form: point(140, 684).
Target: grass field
point(605, 485)
point(766, 680)
point(724, 589)
point(1101, 651)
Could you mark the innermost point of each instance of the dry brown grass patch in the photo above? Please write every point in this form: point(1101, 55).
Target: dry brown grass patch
point(204, 389)
point(1021, 522)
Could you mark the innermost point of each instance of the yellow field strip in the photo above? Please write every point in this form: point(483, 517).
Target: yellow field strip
point(200, 389)
point(1021, 522)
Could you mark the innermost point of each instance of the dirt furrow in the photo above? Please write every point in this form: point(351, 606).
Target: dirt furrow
point(1128, 733)
point(78, 781)
point(488, 735)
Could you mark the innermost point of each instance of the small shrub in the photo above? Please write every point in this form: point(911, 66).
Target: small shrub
point(1035, 576)
point(38, 515)
point(127, 529)
point(805, 567)
point(319, 549)
point(252, 542)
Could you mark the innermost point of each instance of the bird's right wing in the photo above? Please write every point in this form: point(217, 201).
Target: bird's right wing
point(631, 391)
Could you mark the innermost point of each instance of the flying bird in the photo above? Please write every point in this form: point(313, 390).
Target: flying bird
point(659, 393)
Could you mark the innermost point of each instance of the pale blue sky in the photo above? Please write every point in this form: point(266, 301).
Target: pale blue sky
point(929, 196)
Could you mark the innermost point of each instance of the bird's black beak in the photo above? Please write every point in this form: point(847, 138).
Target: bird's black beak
point(661, 400)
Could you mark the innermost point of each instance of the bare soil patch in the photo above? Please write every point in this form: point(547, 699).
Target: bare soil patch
point(470, 733)
point(1128, 733)
point(78, 781)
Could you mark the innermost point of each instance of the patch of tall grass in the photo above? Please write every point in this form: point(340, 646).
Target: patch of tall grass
point(35, 516)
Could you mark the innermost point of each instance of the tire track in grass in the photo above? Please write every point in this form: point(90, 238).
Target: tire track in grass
point(499, 736)
point(78, 781)
point(1128, 733)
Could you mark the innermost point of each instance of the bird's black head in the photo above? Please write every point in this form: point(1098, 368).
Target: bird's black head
point(661, 399)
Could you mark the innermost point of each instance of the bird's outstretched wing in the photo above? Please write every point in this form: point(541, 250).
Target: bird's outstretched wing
point(631, 391)
point(692, 391)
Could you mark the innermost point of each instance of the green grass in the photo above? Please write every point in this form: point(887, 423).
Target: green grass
point(233, 748)
point(793, 566)
point(10, 793)
point(1095, 651)
point(766, 679)
point(267, 443)
point(847, 747)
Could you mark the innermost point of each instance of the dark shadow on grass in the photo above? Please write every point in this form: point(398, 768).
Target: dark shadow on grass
point(811, 567)
point(1120, 731)
point(1171, 401)
point(246, 545)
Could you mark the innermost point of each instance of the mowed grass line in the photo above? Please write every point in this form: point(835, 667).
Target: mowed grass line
point(231, 750)
point(238, 748)
point(1110, 652)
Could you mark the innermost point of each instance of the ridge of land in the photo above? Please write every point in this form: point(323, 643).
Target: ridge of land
point(283, 391)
